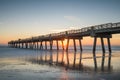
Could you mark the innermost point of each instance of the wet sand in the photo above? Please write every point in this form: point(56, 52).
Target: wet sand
point(13, 69)
point(22, 66)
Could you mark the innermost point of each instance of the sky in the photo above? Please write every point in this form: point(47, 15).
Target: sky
point(27, 18)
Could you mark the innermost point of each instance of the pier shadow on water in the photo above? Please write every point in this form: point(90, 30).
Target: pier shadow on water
point(71, 60)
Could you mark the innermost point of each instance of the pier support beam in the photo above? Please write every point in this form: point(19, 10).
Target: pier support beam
point(18, 45)
point(57, 45)
point(45, 45)
point(103, 56)
point(33, 45)
point(110, 51)
point(74, 53)
point(41, 46)
point(101, 36)
point(80, 61)
point(51, 44)
point(37, 45)
point(22, 45)
point(26, 45)
point(67, 44)
point(94, 54)
point(74, 45)
point(30, 44)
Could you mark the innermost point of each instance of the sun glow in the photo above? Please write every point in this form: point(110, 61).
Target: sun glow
point(65, 42)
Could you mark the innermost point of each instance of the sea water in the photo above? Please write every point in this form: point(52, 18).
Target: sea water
point(25, 64)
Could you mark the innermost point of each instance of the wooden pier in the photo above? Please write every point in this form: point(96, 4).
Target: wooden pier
point(102, 31)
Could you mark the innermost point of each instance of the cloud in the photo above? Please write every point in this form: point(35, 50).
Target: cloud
point(71, 18)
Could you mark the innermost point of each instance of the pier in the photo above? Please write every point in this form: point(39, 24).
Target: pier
point(102, 31)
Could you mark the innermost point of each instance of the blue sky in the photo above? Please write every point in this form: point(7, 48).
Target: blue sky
point(26, 18)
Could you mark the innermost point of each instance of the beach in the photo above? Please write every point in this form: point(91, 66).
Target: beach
point(18, 64)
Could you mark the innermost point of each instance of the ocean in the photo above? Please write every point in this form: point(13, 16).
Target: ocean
point(27, 64)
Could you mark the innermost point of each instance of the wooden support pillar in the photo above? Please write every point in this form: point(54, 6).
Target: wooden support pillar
point(80, 61)
point(12, 45)
point(103, 56)
point(57, 45)
point(94, 54)
point(37, 45)
point(80, 43)
point(110, 51)
point(33, 46)
point(67, 44)
point(22, 45)
point(67, 53)
point(26, 45)
point(41, 46)
point(51, 44)
point(30, 45)
point(15, 45)
point(74, 45)
point(46, 45)
point(19, 45)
